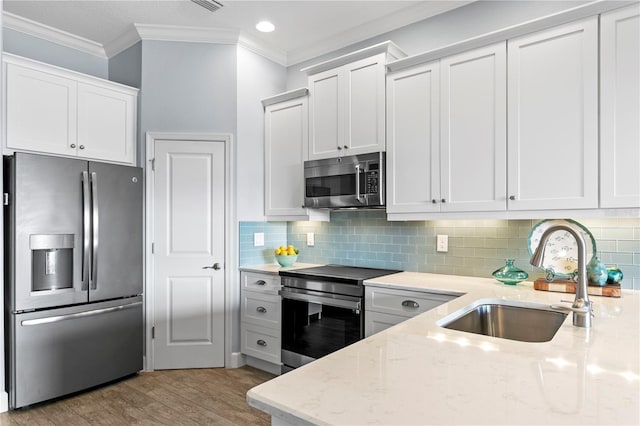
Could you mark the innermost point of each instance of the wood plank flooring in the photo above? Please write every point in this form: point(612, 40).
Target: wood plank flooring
point(170, 397)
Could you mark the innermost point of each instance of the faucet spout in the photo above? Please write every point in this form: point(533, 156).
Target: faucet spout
point(581, 307)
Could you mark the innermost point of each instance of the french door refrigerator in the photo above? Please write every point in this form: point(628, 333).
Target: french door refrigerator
point(73, 266)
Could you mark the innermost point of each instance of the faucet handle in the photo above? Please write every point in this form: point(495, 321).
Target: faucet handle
point(579, 306)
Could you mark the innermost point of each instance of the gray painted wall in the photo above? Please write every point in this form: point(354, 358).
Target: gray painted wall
point(126, 66)
point(51, 53)
point(187, 87)
point(454, 26)
point(258, 78)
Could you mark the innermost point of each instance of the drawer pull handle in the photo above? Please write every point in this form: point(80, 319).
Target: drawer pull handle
point(261, 309)
point(261, 282)
point(410, 304)
point(261, 343)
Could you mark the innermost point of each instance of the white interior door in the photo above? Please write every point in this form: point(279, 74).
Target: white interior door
point(189, 209)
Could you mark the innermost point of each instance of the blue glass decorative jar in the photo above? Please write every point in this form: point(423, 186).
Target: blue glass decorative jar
point(510, 274)
point(597, 272)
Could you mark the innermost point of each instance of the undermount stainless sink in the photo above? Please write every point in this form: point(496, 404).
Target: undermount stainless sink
point(507, 320)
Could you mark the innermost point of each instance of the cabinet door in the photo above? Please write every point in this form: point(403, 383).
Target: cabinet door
point(40, 111)
point(553, 118)
point(286, 141)
point(326, 112)
point(364, 97)
point(413, 160)
point(473, 134)
point(620, 108)
point(106, 124)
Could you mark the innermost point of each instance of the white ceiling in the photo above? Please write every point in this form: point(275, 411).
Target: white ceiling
point(304, 28)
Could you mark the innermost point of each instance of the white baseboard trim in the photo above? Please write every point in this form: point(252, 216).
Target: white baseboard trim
point(4, 402)
point(269, 367)
point(237, 360)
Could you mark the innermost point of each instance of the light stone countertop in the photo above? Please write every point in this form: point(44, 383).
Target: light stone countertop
point(419, 373)
point(274, 268)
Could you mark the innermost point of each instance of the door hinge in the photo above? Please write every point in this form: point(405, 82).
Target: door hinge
point(153, 164)
point(153, 248)
point(5, 198)
point(153, 332)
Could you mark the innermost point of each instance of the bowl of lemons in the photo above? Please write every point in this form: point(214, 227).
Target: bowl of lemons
point(286, 256)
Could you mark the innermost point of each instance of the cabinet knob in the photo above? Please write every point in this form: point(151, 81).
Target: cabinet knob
point(339, 148)
point(261, 309)
point(261, 342)
point(443, 200)
point(434, 201)
point(81, 147)
point(345, 147)
point(73, 145)
point(512, 197)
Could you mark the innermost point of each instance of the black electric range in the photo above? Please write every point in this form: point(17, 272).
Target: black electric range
point(337, 279)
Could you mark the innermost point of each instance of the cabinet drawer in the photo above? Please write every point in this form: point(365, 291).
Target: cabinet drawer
point(261, 309)
point(261, 342)
point(402, 302)
point(375, 322)
point(266, 283)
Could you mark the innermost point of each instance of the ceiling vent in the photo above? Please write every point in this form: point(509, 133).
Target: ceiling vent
point(210, 5)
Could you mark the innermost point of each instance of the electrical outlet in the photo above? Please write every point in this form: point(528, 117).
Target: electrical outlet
point(258, 239)
point(442, 243)
point(311, 239)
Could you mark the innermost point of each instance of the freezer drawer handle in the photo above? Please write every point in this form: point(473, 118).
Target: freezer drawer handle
point(58, 318)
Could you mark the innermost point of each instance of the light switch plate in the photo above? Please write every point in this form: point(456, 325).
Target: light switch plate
point(311, 239)
point(442, 243)
point(258, 239)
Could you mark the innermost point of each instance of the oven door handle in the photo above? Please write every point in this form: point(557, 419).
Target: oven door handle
point(329, 301)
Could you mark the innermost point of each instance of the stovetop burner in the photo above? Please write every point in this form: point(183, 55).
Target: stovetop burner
point(342, 273)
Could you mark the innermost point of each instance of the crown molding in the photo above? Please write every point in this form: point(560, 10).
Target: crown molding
point(275, 55)
point(401, 18)
point(123, 42)
point(54, 35)
point(188, 34)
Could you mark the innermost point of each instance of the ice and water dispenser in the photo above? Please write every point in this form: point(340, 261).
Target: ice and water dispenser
point(51, 262)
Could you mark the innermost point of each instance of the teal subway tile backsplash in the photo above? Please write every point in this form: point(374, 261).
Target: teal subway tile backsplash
point(476, 247)
point(275, 235)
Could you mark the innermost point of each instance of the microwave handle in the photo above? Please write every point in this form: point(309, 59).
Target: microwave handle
point(358, 197)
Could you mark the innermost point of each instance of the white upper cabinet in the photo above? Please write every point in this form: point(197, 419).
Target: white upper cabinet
point(473, 133)
point(347, 109)
point(55, 111)
point(553, 118)
point(39, 111)
point(286, 140)
point(447, 134)
point(347, 103)
point(106, 123)
point(620, 108)
point(413, 129)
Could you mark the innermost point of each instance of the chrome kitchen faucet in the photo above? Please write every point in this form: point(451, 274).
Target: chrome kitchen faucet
point(582, 308)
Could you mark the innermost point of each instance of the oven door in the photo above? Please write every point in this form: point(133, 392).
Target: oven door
point(314, 324)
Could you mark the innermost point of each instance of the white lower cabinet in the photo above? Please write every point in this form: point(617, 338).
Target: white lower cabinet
point(260, 320)
point(385, 307)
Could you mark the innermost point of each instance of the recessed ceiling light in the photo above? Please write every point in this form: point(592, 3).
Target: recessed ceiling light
point(265, 26)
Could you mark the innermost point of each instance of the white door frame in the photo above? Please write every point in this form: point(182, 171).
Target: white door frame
point(229, 241)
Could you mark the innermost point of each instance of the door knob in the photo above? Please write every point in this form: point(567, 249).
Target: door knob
point(215, 267)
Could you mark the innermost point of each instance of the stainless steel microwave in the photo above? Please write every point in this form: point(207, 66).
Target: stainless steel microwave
point(345, 182)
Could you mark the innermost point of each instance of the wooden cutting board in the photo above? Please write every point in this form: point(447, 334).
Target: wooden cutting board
point(561, 286)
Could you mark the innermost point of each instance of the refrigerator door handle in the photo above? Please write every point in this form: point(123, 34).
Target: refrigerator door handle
point(58, 318)
point(95, 233)
point(86, 230)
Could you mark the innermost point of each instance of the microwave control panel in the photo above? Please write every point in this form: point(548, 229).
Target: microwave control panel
point(372, 177)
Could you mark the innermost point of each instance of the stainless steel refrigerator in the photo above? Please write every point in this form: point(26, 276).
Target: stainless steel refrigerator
point(73, 284)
